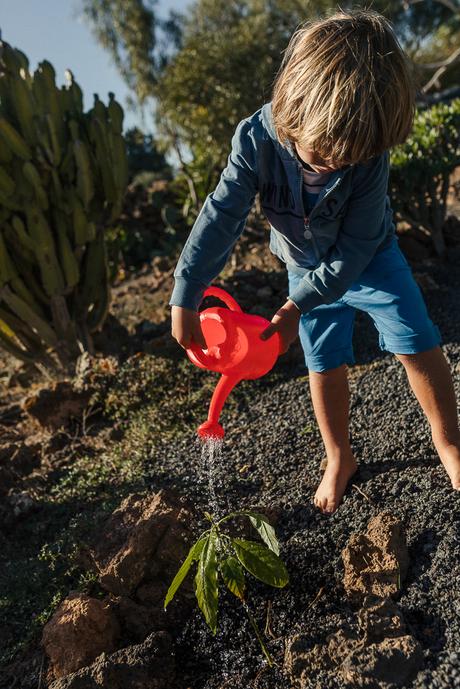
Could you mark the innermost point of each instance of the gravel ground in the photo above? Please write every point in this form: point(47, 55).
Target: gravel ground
point(271, 458)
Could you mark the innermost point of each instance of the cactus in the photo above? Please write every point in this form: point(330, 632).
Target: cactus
point(63, 176)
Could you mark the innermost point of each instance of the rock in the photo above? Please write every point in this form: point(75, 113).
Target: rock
point(300, 660)
point(137, 555)
point(149, 665)
point(376, 562)
point(136, 620)
point(146, 538)
point(393, 662)
point(340, 644)
point(379, 653)
point(56, 406)
point(297, 656)
point(80, 629)
point(380, 618)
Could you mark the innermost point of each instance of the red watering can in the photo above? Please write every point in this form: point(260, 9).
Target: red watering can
point(234, 349)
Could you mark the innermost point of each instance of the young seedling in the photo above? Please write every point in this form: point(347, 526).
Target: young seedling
point(222, 558)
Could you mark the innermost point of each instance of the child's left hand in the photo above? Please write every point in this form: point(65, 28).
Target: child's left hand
point(286, 323)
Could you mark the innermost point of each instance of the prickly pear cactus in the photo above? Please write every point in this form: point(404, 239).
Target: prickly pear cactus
point(63, 176)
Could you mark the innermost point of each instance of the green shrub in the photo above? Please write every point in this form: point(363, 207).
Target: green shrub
point(421, 169)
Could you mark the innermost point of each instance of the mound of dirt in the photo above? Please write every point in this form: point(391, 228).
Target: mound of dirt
point(80, 630)
point(377, 560)
point(136, 555)
point(374, 650)
point(149, 665)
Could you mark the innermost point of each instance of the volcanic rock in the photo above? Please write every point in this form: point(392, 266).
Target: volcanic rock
point(136, 556)
point(149, 665)
point(392, 662)
point(376, 562)
point(380, 618)
point(80, 629)
point(145, 539)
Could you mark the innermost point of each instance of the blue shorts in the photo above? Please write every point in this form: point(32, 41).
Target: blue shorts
point(388, 292)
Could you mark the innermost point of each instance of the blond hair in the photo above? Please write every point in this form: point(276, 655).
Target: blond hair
point(345, 87)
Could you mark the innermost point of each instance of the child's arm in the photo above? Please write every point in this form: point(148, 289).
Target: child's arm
point(220, 222)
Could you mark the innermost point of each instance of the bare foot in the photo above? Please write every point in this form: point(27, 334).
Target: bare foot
point(334, 482)
point(450, 457)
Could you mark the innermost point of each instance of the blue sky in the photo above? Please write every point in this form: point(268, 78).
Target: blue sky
point(52, 30)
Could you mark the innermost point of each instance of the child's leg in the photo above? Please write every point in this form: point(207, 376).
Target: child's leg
point(431, 381)
point(326, 337)
point(331, 400)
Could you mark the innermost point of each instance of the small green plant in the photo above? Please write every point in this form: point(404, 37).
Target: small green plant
point(222, 557)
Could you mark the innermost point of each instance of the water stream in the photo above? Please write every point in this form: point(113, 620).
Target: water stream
point(227, 660)
point(210, 466)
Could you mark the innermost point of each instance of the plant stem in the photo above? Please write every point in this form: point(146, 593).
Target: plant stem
point(258, 634)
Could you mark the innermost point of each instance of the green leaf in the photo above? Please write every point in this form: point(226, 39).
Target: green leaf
point(206, 590)
point(233, 576)
point(265, 529)
point(263, 526)
point(193, 554)
point(262, 562)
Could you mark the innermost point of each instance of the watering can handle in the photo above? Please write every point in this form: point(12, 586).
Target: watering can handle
point(223, 296)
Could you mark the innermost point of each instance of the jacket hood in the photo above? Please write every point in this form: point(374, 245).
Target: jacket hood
point(267, 119)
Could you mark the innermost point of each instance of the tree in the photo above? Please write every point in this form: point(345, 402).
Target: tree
point(135, 37)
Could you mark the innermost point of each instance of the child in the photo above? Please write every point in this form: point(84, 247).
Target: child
point(318, 155)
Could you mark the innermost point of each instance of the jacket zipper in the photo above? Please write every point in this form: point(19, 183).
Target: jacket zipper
point(306, 220)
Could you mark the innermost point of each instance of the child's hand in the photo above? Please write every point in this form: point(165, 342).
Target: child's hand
point(286, 323)
point(186, 327)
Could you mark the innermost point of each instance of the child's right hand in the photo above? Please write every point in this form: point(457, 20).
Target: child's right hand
point(186, 327)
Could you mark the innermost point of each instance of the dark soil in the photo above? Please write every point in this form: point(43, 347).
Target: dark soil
point(271, 456)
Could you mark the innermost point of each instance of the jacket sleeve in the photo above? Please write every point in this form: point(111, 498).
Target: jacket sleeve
point(219, 223)
point(362, 230)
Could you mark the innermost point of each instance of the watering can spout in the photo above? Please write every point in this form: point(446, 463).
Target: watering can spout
point(211, 427)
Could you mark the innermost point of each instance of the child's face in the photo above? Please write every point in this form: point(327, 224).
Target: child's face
point(314, 160)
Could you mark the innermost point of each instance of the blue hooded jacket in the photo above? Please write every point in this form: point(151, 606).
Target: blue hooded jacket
point(350, 222)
